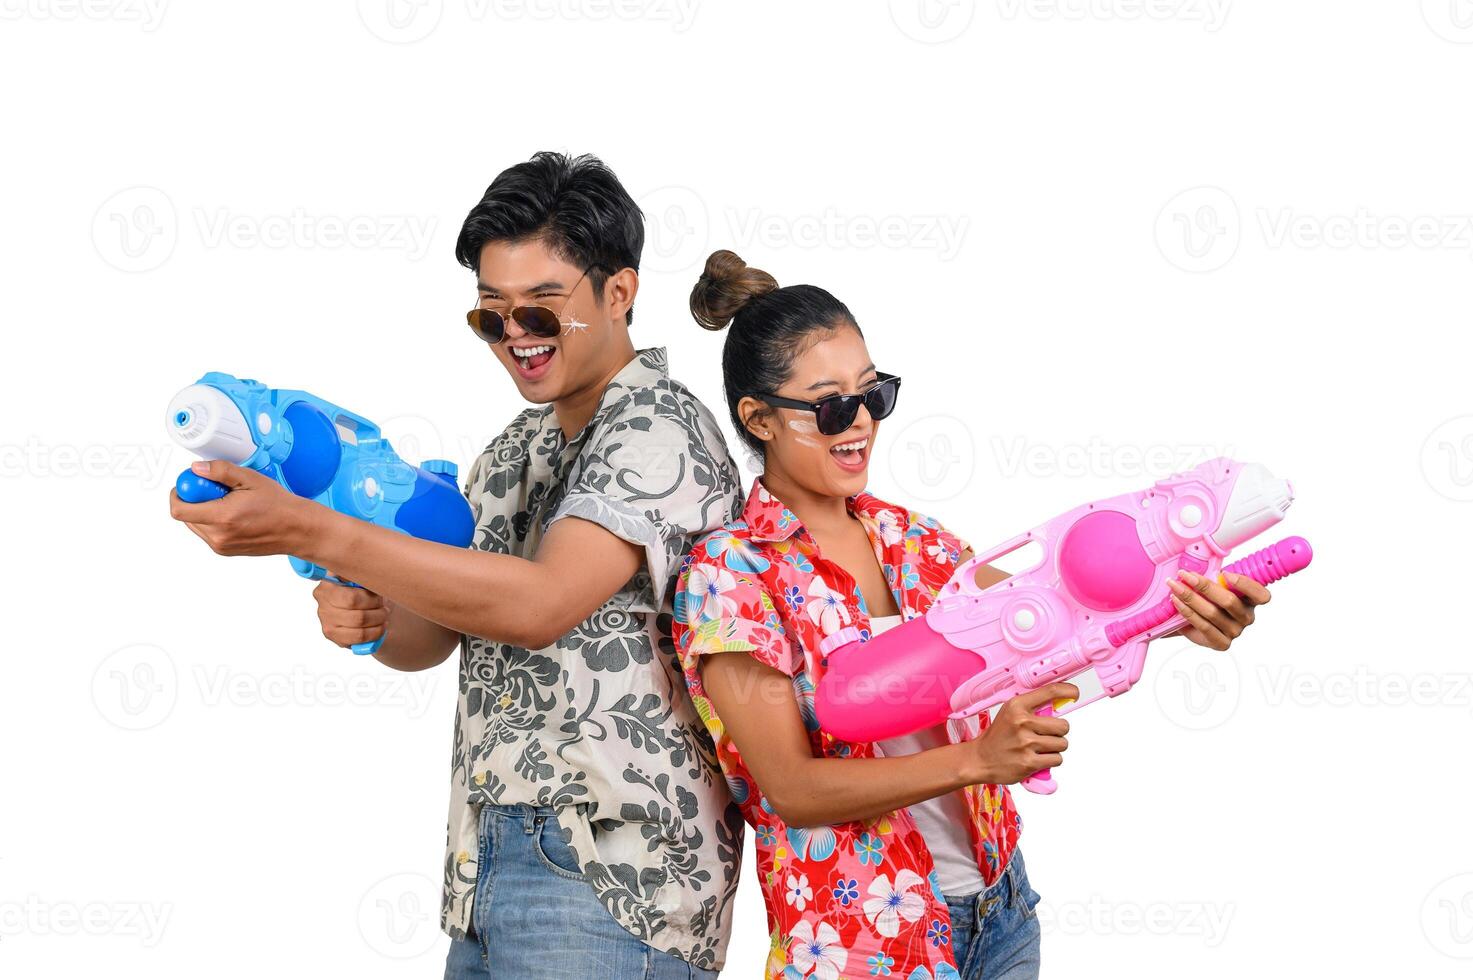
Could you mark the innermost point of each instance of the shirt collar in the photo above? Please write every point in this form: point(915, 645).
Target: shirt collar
point(768, 519)
point(648, 366)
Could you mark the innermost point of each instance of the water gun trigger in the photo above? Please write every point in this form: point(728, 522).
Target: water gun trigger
point(317, 573)
point(359, 649)
point(1091, 689)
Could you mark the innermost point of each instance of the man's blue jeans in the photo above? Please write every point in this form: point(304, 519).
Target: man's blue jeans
point(535, 916)
point(994, 933)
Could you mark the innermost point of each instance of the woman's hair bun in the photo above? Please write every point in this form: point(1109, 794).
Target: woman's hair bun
point(726, 285)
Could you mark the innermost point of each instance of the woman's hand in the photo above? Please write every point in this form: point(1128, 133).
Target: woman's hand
point(1018, 742)
point(1216, 616)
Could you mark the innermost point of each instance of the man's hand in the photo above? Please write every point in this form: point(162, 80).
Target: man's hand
point(350, 615)
point(1018, 742)
point(1216, 616)
point(257, 517)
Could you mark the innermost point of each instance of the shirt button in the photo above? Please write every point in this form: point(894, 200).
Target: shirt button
point(504, 701)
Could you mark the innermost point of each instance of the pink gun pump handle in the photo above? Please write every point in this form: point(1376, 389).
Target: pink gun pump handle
point(1264, 567)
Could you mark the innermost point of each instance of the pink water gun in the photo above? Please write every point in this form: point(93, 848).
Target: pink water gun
point(1084, 613)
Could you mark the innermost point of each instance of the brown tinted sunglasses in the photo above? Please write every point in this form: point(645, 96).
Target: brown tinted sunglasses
point(539, 321)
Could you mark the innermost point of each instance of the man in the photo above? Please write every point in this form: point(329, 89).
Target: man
point(590, 830)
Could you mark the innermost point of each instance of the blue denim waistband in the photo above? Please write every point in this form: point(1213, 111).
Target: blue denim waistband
point(1006, 890)
point(525, 812)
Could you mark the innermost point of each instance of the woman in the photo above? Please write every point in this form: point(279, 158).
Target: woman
point(891, 859)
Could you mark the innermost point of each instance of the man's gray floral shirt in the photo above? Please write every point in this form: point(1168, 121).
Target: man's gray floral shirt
point(599, 724)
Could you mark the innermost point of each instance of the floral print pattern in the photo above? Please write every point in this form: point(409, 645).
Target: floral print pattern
point(856, 899)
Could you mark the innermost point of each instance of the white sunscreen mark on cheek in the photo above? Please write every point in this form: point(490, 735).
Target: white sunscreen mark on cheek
point(805, 428)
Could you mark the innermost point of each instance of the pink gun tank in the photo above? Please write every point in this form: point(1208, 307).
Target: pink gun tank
point(1084, 613)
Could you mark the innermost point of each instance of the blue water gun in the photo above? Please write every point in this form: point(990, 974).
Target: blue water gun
point(315, 449)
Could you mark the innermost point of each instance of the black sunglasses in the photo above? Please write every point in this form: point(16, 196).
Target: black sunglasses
point(835, 413)
point(539, 321)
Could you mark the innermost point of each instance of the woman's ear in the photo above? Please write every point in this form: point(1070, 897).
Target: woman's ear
point(756, 417)
point(619, 290)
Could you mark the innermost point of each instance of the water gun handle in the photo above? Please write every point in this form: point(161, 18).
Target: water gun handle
point(360, 649)
point(316, 573)
point(1265, 567)
point(1042, 782)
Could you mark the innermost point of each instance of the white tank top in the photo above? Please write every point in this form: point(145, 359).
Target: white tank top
point(943, 820)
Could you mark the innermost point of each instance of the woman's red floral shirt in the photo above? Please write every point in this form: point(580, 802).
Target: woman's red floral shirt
point(854, 899)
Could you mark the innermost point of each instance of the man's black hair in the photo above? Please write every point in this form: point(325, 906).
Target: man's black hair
point(575, 205)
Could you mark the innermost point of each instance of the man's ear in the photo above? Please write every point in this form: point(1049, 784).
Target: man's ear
point(619, 290)
point(756, 416)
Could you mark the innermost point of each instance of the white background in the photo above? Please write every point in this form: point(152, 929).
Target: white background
point(1102, 240)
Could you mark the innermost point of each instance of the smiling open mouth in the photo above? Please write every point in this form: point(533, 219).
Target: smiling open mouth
point(850, 455)
point(532, 358)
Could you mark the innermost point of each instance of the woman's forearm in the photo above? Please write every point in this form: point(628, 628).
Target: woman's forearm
point(818, 792)
point(760, 712)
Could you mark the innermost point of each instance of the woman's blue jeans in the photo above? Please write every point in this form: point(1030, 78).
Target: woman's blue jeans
point(994, 933)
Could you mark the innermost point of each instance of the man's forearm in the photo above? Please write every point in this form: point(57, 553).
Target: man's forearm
point(412, 642)
point(464, 590)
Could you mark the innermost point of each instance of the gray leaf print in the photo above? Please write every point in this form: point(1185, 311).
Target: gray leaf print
point(598, 724)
